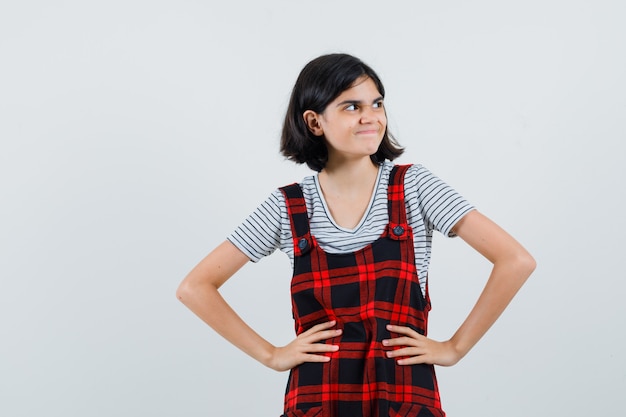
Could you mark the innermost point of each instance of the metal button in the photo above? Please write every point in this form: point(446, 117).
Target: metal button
point(303, 243)
point(398, 230)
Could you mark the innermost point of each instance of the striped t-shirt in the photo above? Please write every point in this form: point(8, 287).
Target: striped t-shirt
point(431, 205)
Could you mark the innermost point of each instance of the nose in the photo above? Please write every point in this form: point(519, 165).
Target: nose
point(368, 114)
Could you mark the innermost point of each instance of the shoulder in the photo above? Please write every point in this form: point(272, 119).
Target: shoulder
point(421, 180)
point(306, 189)
point(306, 185)
point(276, 199)
point(440, 204)
point(415, 173)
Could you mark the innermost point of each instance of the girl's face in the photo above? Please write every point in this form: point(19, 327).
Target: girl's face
point(352, 125)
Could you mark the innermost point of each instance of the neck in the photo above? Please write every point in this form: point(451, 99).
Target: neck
point(349, 175)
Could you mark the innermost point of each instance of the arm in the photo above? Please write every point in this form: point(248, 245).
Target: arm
point(512, 265)
point(199, 292)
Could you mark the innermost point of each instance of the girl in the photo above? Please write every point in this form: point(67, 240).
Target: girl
point(359, 237)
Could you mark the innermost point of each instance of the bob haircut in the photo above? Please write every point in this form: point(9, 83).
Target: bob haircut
point(321, 81)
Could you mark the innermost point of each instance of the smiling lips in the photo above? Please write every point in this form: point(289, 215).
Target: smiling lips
point(371, 131)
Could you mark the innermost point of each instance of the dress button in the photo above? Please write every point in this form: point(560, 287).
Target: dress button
point(303, 243)
point(398, 230)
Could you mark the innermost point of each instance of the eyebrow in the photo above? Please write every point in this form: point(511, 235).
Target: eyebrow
point(379, 98)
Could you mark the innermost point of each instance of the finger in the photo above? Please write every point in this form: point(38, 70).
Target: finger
point(319, 327)
point(320, 347)
point(322, 335)
point(407, 351)
point(315, 358)
point(401, 341)
point(415, 360)
point(407, 331)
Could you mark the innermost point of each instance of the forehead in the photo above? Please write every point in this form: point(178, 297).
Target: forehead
point(363, 88)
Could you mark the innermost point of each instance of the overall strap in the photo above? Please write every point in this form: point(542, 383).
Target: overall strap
point(395, 203)
point(298, 218)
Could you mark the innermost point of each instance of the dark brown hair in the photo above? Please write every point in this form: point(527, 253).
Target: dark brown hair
point(321, 81)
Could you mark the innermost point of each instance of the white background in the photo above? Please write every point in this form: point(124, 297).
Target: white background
point(135, 135)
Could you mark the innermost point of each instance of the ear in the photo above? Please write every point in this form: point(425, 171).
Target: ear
point(313, 123)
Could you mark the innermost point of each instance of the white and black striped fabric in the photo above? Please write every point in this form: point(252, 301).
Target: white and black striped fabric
point(431, 205)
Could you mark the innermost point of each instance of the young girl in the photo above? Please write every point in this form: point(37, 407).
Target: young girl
point(359, 237)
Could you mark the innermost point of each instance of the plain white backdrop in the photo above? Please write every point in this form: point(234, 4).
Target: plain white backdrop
point(135, 135)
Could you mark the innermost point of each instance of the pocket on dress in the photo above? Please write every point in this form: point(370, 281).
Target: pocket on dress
point(311, 412)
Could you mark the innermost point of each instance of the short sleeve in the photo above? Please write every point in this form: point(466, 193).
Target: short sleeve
point(259, 235)
point(440, 206)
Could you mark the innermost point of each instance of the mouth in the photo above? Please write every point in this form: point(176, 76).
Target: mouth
point(367, 132)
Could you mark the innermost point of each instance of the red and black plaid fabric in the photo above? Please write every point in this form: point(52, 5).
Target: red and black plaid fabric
point(363, 291)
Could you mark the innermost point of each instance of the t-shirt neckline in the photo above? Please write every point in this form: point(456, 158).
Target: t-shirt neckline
point(318, 188)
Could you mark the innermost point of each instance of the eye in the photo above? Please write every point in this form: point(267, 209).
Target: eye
point(378, 105)
point(351, 107)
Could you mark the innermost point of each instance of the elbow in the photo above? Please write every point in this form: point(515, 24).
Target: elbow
point(532, 265)
point(190, 290)
point(526, 264)
point(184, 291)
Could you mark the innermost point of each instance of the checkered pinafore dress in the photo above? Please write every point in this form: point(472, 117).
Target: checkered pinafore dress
point(363, 291)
